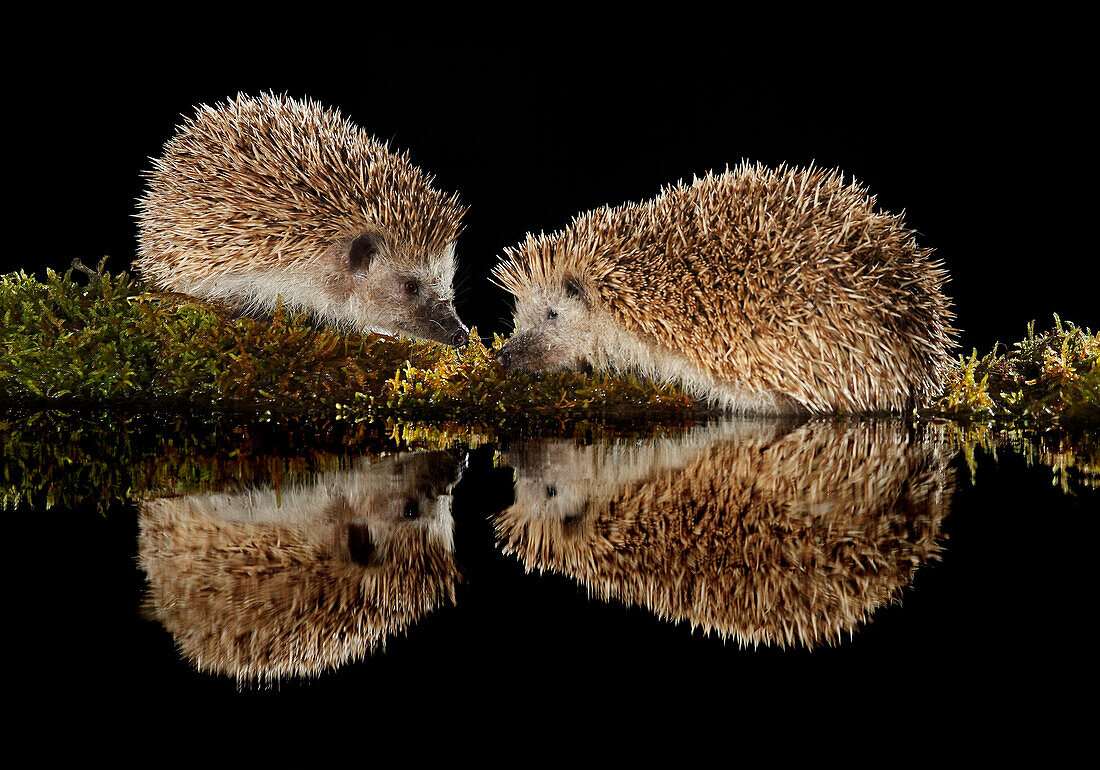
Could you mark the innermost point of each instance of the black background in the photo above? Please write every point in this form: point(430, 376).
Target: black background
point(979, 132)
point(980, 136)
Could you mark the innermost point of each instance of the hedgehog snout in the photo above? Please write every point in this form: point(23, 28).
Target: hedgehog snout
point(461, 335)
point(526, 352)
point(511, 355)
point(451, 330)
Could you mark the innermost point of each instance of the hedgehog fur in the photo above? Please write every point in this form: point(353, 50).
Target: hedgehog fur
point(757, 289)
point(264, 583)
point(760, 532)
point(271, 199)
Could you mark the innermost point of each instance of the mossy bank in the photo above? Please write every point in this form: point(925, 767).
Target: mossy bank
point(111, 340)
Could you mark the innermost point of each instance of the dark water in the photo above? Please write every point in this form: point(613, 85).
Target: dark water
point(816, 561)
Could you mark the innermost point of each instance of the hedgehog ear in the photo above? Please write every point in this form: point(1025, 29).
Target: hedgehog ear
point(360, 543)
point(362, 251)
point(573, 288)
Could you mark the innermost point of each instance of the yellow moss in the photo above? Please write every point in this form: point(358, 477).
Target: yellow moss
point(1053, 378)
point(113, 340)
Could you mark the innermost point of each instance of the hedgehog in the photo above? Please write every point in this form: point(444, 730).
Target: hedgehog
point(758, 290)
point(760, 532)
point(264, 583)
point(270, 199)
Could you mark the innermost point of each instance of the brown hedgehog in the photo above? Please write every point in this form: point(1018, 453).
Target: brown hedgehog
point(759, 290)
point(268, 198)
point(265, 583)
point(755, 531)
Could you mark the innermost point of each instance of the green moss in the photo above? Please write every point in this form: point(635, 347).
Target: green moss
point(1051, 378)
point(470, 382)
point(1040, 398)
point(67, 458)
point(101, 457)
point(104, 456)
point(112, 340)
point(111, 391)
point(1072, 455)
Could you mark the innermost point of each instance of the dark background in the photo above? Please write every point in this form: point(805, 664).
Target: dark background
point(979, 133)
point(980, 139)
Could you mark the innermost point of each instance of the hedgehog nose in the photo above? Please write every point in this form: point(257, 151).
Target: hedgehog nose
point(460, 338)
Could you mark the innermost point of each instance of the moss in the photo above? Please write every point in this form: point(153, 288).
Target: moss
point(1052, 378)
point(111, 391)
point(104, 456)
point(112, 340)
point(1040, 398)
point(470, 382)
point(1072, 455)
point(63, 457)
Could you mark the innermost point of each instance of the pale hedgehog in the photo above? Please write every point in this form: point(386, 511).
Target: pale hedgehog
point(266, 582)
point(759, 290)
point(762, 531)
point(270, 198)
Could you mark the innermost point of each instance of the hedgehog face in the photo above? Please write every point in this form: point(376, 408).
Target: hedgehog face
point(556, 501)
point(550, 483)
point(555, 329)
point(395, 290)
point(309, 575)
point(559, 509)
point(412, 500)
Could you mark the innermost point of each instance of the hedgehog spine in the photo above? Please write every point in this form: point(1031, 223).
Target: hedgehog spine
point(270, 198)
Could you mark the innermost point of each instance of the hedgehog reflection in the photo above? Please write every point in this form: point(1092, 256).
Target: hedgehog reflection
point(264, 583)
point(761, 532)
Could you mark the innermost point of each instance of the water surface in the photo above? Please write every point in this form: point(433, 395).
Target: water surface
point(207, 560)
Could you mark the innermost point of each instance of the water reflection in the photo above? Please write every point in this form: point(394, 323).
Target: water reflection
point(765, 532)
point(263, 583)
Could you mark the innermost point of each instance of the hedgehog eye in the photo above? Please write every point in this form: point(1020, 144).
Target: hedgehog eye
point(551, 491)
point(412, 288)
point(412, 509)
point(552, 314)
